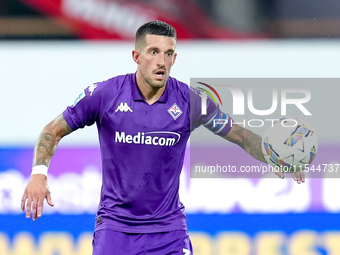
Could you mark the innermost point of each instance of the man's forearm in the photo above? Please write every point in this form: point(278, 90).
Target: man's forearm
point(44, 148)
point(252, 145)
point(248, 140)
point(49, 139)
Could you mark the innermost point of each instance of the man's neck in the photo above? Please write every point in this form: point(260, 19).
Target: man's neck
point(150, 94)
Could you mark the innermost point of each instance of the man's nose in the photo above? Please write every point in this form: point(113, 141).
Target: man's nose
point(161, 59)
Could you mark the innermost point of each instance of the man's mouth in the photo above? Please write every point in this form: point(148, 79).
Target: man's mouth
point(160, 73)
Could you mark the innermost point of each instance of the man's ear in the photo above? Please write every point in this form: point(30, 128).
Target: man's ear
point(135, 56)
point(174, 60)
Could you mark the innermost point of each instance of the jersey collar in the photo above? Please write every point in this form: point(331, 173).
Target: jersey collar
point(137, 96)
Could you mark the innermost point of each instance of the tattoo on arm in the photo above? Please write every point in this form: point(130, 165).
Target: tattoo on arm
point(248, 140)
point(49, 139)
point(44, 149)
point(252, 145)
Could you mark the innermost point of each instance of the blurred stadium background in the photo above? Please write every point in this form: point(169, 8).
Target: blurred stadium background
point(50, 50)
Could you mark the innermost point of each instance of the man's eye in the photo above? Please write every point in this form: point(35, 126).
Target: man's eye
point(170, 54)
point(153, 52)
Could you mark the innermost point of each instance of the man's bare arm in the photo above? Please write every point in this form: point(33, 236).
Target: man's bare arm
point(49, 139)
point(37, 188)
point(248, 140)
point(251, 143)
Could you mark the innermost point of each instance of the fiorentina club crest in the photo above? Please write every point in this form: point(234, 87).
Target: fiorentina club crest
point(174, 111)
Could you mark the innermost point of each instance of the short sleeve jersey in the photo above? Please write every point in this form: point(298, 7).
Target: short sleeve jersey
point(142, 149)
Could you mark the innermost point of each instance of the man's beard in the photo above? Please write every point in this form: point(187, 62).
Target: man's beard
point(153, 85)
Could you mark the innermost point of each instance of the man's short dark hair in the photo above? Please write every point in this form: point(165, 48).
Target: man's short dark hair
point(155, 28)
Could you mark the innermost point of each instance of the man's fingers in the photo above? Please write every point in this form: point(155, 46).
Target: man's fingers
point(299, 177)
point(34, 196)
point(280, 174)
point(294, 176)
point(35, 206)
point(303, 176)
point(40, 207)
point(28, 207)
point(23, 202)
point(49, 199)
point(34, 209)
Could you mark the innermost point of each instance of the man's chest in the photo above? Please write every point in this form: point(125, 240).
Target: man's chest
point(136, 122)
point(138, 116)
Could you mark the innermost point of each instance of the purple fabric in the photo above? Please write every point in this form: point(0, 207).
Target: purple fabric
point(109, 242)
point(142, 150)
point(210, 119)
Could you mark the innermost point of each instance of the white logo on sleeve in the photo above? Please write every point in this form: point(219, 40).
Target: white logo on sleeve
point(92, 88)
point(186, 251)
point(123, 107)
point(80, 97)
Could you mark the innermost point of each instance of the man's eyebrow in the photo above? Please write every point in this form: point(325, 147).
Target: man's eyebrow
point(153, 48)
point(158, 49)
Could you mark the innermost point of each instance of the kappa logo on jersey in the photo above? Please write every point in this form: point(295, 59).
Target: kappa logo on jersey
point(80, 97)
point(92, 88)
point(123, 107)
point(186, 251)
point(175, 111)
point(159, 138)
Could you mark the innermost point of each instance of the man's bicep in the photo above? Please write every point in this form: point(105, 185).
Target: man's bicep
point(220, 124)
point(65, 128)
point(59, 127)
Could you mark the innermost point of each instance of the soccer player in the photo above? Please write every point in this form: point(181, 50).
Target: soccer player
point(144, 120)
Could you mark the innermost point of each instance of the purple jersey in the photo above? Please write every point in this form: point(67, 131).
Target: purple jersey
point(142, 149)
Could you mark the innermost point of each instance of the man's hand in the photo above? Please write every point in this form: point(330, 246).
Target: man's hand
point(36, 191)
point(251, 143)
point(298, 176)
